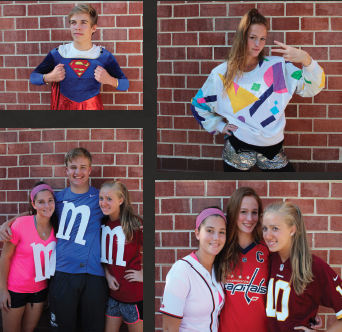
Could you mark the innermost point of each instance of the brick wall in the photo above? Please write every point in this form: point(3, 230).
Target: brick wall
point(30, 155)
point(30, 30)
point(192, 40)
point(179, 202)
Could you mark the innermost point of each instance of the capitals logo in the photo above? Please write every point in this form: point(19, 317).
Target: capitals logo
point(248, 288)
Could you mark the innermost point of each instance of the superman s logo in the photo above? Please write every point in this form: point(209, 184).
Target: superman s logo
point(79, 66)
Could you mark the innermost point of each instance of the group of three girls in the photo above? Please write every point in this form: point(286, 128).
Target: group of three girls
point(236, 281)
point(29, 258)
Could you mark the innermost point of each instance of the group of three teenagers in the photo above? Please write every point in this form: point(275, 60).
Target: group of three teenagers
point(97, 236)
point(253, 271)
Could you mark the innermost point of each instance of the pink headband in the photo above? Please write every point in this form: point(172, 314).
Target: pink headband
point(208, 212)
point(41, 187)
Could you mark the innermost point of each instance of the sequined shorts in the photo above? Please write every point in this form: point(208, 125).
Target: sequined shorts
point(245, 160)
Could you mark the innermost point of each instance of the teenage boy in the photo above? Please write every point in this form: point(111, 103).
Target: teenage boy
point(77, 70)
point(79, 279)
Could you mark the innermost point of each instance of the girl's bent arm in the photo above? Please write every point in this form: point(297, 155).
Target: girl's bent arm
point(171, 324)
point(203, 107)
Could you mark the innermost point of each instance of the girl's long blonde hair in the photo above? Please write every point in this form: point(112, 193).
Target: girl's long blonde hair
point(236, 57)
point(300, 256)
point(129, 220)
point(230, 253)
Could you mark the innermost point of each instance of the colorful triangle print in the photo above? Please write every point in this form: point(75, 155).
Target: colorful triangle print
point(274, 75)
point(239, 97)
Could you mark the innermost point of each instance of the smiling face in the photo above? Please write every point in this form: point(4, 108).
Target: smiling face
point(44, 203)
point(212, 235)
point(110, 203)
point(256, 40)
point(277, 234)
point(248, 215)
point(81, 29)
point(78, 171)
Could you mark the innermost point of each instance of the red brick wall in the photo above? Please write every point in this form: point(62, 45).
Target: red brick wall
point(192, 40)
point(31, 30)
point(30, 155)
point(179, 202)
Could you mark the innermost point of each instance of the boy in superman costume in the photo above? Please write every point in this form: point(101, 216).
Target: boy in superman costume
point(78, 69)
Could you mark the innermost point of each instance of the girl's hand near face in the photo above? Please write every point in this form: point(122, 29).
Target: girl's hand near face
point(134, 275)
point(229, 127)
point(293, 54)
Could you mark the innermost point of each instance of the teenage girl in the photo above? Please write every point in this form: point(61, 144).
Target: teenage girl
point(25, 262)
point(120, 251)
point(299, 282)
point(193, 294)
point(244, 265)
point(246, 96)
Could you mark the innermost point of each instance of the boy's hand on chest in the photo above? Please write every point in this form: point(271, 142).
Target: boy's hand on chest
point(102, 76)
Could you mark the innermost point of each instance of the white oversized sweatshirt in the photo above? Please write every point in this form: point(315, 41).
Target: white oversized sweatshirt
point(256, 102)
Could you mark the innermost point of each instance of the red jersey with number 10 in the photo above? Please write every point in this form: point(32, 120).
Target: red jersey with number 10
point(244, 308)
point(121, 256)
point(285, 309)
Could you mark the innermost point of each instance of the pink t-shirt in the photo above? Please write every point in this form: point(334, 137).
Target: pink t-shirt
point(33, 260)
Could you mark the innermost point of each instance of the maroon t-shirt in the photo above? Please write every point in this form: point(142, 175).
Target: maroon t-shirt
point(293, 310)
point(121, 256)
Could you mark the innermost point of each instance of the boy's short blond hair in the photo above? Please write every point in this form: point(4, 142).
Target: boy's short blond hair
point(75, 153)
point(87, 9)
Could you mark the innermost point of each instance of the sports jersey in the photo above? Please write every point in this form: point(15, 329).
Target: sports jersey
point(256, 102)
point(79, 85)
point(285, 309)
point(78, 247)
point(121, 256)
point(33, 260)
point(245, 292)
point(192, 295)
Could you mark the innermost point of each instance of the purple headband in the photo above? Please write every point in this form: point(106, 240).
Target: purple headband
point(209, 212)
point(41, 187)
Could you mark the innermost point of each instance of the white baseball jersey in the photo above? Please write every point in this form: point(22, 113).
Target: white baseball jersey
point(192, 295)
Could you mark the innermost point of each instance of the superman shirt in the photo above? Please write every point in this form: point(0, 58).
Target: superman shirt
point(285, 309)
point(79, 83)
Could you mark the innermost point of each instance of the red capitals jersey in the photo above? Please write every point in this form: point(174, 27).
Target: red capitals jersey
point(285, 309)
point(121, 256)
point(245, 290)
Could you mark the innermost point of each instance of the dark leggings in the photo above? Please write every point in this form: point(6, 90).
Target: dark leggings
point(287, 168)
